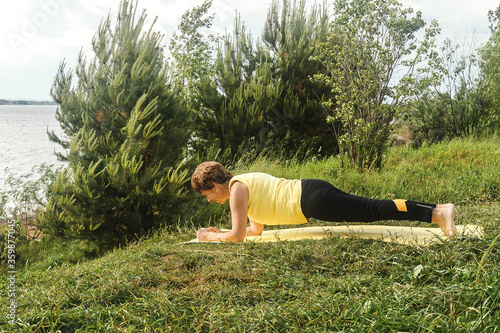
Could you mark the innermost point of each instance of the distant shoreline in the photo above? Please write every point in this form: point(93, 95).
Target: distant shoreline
point(24, 102)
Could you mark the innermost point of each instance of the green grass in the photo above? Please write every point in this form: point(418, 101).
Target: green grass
point(332, 285)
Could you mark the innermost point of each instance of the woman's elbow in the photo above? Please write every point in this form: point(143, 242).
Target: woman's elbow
point(236, 238)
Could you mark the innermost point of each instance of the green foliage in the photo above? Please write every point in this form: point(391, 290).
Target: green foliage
point(371, 44)
point(191, 51)
point(490, 66)
point(426, 119)
point(462, 107)
point(24, 197)
point(26, 194)
point(260, 95)
point(290, 34)
point(436, 117)
point(235, 104)
point(494, 18)
point(128, 136)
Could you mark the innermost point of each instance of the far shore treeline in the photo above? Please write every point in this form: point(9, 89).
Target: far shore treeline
point(25, 102)
point(347, 81)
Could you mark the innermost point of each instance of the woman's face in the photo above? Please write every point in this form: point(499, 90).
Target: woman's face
point(215, 194)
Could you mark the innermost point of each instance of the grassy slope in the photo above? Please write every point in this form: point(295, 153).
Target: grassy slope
point(338, 285)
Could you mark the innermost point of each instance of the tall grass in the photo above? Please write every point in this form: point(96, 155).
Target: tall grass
point(332, 285)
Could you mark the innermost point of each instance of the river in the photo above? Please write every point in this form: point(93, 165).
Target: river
point(24, 142)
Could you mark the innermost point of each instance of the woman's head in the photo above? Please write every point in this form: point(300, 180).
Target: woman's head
point(208, 173)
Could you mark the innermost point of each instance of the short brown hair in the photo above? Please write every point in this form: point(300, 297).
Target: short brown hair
point(208, 173)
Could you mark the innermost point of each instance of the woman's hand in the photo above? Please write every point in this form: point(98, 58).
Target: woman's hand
point(204, 233)
point(214, 229)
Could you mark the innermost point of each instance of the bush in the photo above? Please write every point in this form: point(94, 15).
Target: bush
point(463, 107)
point(440, 116)
point(128, 135)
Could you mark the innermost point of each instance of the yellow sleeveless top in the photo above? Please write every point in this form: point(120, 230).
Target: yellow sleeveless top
point(272, 200)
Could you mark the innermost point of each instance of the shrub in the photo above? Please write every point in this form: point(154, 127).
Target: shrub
point(128, 134)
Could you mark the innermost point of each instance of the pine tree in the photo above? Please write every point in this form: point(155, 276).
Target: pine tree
point(261, 95)
point(126, 138)
point(289, 37)
point(235, 103)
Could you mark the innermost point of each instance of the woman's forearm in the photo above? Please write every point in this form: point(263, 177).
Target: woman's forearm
point(224, 236)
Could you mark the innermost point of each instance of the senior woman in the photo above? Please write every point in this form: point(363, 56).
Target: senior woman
point(266, 200)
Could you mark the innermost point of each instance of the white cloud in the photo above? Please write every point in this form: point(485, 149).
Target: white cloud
point(455, 14)
point(98, 8)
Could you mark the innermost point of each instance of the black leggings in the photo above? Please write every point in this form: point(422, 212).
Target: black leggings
point(322, 201)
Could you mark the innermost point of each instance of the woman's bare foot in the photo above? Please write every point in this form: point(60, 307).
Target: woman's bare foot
point(444, 217)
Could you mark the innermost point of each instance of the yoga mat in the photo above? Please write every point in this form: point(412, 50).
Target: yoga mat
point(395, 234)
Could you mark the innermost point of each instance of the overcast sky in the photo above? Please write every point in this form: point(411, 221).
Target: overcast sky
point(37, 34)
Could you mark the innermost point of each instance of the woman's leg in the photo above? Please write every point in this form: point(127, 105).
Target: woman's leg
point(323, 201)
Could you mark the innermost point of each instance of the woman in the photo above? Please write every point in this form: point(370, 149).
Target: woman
point(264, 199)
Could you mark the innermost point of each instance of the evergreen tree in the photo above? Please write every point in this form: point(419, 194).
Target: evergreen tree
point(234, 104)
point(289, 37)
point(126, 138)
point(261, 94)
